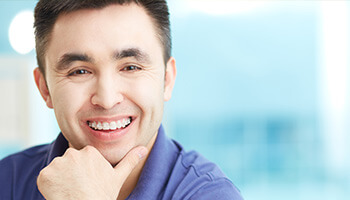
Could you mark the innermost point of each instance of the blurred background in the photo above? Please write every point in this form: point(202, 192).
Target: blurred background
point(262, 90)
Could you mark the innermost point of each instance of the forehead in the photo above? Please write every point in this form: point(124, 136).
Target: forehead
point(111, 28)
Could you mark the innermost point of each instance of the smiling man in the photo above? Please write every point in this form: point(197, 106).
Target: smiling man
point(105, 68)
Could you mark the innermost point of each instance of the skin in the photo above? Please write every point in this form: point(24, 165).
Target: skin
point(103, 65)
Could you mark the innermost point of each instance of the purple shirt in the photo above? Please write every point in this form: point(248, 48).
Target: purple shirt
point(169, 173)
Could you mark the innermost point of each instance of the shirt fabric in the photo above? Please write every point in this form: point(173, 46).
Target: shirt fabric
point(169, 173)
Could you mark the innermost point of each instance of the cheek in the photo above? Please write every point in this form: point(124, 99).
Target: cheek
point(68, 100)
point(148, 92)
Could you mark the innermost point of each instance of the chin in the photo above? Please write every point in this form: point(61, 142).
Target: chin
point(113, 156)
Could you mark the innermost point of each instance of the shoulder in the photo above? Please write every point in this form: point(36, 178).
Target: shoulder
point(33, 153)
point(22, 163)
point(18, 172)
point(202, 179)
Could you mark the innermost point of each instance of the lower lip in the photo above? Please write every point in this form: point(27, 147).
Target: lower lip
point(110, 135)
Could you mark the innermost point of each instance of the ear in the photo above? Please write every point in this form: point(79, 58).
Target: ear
point(170, 76)
point(42, 86)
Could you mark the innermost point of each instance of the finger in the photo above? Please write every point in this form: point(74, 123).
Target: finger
point(129, 162)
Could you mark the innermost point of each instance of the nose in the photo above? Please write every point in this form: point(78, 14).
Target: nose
point(107, 93)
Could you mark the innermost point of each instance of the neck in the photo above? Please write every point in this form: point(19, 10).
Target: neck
point(131, 182)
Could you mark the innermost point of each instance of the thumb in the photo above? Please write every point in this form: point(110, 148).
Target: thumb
point(129, 162)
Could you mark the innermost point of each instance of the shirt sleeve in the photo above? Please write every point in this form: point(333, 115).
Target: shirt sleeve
point(6, 182)
point(222, 189)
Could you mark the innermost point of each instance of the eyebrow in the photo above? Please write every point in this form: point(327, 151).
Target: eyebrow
point(136, 53)
point(67, 59)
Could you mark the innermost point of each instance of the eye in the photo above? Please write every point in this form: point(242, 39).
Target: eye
point(131, 68)
point(79, 72)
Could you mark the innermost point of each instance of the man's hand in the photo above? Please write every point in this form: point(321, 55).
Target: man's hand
point(86, 174)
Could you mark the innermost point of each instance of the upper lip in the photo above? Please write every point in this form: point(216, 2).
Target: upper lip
point(108, 119)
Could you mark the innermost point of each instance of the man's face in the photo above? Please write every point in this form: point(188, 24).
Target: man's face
point(106, 79)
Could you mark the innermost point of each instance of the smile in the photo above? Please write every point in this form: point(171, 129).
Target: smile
point(114, 125)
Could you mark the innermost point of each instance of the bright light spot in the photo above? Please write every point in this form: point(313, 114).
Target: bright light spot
point(225, 7)
point(335, 80)
point(21, 32)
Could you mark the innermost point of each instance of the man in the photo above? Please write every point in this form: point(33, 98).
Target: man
point(106, 70)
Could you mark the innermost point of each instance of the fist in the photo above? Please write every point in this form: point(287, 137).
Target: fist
point(86, 174)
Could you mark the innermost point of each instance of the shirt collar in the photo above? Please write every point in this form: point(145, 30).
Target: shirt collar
point(57, 148)
point(157, 169)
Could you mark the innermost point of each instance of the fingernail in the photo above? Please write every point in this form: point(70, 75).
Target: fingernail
point(142, 152)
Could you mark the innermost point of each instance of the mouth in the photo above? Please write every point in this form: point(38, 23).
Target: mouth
point(110, 126)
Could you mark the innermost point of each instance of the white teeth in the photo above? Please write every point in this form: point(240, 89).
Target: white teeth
point(105, 126)
point(119, 124)
point(113, 125)
point(110, 126)
point(99, 126)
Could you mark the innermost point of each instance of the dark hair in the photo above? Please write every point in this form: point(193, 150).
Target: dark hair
point(47, 12)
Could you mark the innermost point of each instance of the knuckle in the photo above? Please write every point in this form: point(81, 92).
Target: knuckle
point(92, 151)
point(71, 154)
point(43, 176)
point(89, 149)
point(54, 163)
point(71, 151)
